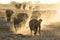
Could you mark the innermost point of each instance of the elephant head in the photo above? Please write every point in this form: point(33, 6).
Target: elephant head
point(18, 6)
point(20, 17)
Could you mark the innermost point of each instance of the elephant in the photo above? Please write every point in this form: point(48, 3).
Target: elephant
point(18, 6)
point(20, 18)
point(9, 14)
point(34, 25)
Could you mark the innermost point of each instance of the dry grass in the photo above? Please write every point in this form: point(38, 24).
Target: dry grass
point(52, 34)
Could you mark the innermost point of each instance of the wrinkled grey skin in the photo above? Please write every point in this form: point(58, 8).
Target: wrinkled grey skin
point(34, 25)
point(20, 18)
point(9, 14)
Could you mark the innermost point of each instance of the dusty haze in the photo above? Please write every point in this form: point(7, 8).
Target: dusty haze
point(50, 14)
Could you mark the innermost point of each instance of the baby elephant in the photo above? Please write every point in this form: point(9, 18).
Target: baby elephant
point(34, 25)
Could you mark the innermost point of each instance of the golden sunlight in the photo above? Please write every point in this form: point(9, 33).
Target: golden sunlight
point(49, 16)
point(33, 1)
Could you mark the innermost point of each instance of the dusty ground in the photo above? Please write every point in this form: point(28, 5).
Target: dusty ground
point(51, 33)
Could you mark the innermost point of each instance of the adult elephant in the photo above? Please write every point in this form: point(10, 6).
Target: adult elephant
point(18, 6)
point(34, 24)
point(9, 14)
point(20, 18)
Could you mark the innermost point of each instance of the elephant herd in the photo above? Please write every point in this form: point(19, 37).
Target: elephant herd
point(34, 24)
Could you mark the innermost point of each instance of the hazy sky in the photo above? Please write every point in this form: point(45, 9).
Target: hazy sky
point(41, 1)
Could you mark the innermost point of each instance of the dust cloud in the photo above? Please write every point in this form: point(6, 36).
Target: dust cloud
point(49, 17)
point(49, 13)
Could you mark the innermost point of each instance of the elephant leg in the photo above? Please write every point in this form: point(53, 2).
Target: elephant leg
point(31, 32)
point(39, 30)
point(35, 31)
point(15, 28)
point(8, 19)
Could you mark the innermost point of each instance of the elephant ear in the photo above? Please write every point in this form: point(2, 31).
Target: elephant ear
point(40, 20)
point(9, 12)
